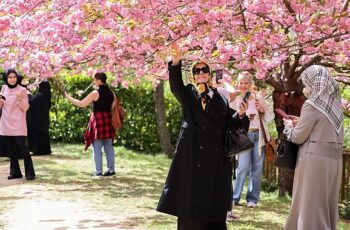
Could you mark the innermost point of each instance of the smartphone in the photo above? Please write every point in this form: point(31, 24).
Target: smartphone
point(282, 113)
point(218, 75)
point(251, 116)
point(246, 96)
point(3, 98)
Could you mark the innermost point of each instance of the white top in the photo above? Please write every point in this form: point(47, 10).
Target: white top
point(255, 122)
point(224, 92)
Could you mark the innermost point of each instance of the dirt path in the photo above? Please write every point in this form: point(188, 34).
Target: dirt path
point(38, 207)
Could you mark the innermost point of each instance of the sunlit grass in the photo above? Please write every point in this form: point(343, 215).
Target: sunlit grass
point(132, 195)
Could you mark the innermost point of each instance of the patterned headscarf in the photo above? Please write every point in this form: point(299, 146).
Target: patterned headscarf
point(324, 95)
point(202, 88)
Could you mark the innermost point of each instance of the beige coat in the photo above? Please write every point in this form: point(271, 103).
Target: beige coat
point(318, 173)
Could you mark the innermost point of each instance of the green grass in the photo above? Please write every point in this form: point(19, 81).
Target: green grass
point(133, 193)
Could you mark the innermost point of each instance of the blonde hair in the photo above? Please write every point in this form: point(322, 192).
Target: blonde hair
point(245, 76)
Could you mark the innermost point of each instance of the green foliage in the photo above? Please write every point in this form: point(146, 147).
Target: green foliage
point(344, 209)
point(345, 94)
point(139, 131)
point(268, 186)
point(68, 122)
point(173, 113)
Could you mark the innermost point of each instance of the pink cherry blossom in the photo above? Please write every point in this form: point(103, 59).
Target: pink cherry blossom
point(44, 37)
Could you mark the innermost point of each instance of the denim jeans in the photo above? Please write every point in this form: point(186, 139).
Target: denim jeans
point(249, 162)
point(97, 152)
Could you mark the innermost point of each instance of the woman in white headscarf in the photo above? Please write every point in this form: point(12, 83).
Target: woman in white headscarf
point(319, 132)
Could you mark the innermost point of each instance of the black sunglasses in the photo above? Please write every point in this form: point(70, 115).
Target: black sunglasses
point(197, 71)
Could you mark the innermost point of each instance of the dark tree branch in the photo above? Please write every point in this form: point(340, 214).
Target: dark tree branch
point(243, 18)
point(343, 82)
point(278, 86)
point(339, 69)
point(346, 6)
point(289, 7)
point(314, 60)
point(240, 12)
point(292, 68)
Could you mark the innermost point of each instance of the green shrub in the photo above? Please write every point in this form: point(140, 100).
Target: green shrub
point(68, 122)
point(344, 209)
point(268, 186)
point(139, 132)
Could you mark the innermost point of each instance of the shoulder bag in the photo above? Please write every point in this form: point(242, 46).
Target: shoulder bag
point(237, 141)
point(270, 146)
point(287, 154)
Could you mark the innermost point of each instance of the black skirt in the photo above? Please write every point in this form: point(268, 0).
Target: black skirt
point(8, 147)
point(39, 143)
point(4, 150)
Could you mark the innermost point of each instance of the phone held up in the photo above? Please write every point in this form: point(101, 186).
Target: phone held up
point(246, 96)
point(218, 75)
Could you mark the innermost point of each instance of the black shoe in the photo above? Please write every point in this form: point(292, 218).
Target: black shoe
point(11, 177)
point(30, 177)
point(97, 174)
point(108, 173)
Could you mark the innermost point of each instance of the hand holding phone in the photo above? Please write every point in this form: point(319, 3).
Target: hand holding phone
point(282, 113)
point(295, 119)
point(246, 96)
point(3, 97)
point(218, 75)
point(251, 116)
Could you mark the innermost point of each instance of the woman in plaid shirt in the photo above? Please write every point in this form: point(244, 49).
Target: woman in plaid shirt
point(99, 132)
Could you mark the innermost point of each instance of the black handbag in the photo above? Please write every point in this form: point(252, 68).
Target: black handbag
point(287, 154)
point(237, 140)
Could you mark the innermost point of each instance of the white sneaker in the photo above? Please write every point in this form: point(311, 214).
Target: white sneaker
point(251, 205)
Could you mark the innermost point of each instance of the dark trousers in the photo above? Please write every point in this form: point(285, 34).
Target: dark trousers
point(192, 224)
point(19, 148)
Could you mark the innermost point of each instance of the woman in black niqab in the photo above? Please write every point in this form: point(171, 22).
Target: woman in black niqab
point(39, 121)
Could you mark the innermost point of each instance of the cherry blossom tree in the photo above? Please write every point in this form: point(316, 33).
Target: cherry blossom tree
point(274, 39)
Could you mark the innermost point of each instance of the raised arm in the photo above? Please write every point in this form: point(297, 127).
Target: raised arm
point(93, 96)
point(177, 86)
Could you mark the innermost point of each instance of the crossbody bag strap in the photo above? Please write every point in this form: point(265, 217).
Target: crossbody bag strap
point(115, 97)
point(263, 129)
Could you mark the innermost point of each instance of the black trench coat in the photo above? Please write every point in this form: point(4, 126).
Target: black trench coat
point(199, 182)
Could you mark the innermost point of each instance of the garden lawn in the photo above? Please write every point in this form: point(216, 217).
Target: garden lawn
point(65, 196)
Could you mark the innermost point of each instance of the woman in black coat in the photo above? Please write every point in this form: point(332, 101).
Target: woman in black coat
point(199, 184)
point(39, 120)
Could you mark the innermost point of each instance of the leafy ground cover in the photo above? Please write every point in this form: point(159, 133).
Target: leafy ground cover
point(65, 196)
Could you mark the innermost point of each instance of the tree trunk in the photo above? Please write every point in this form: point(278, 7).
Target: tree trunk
point(291, 103)
point(163, 132)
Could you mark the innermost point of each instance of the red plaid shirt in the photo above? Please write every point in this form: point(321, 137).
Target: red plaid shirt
point(99, 127)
